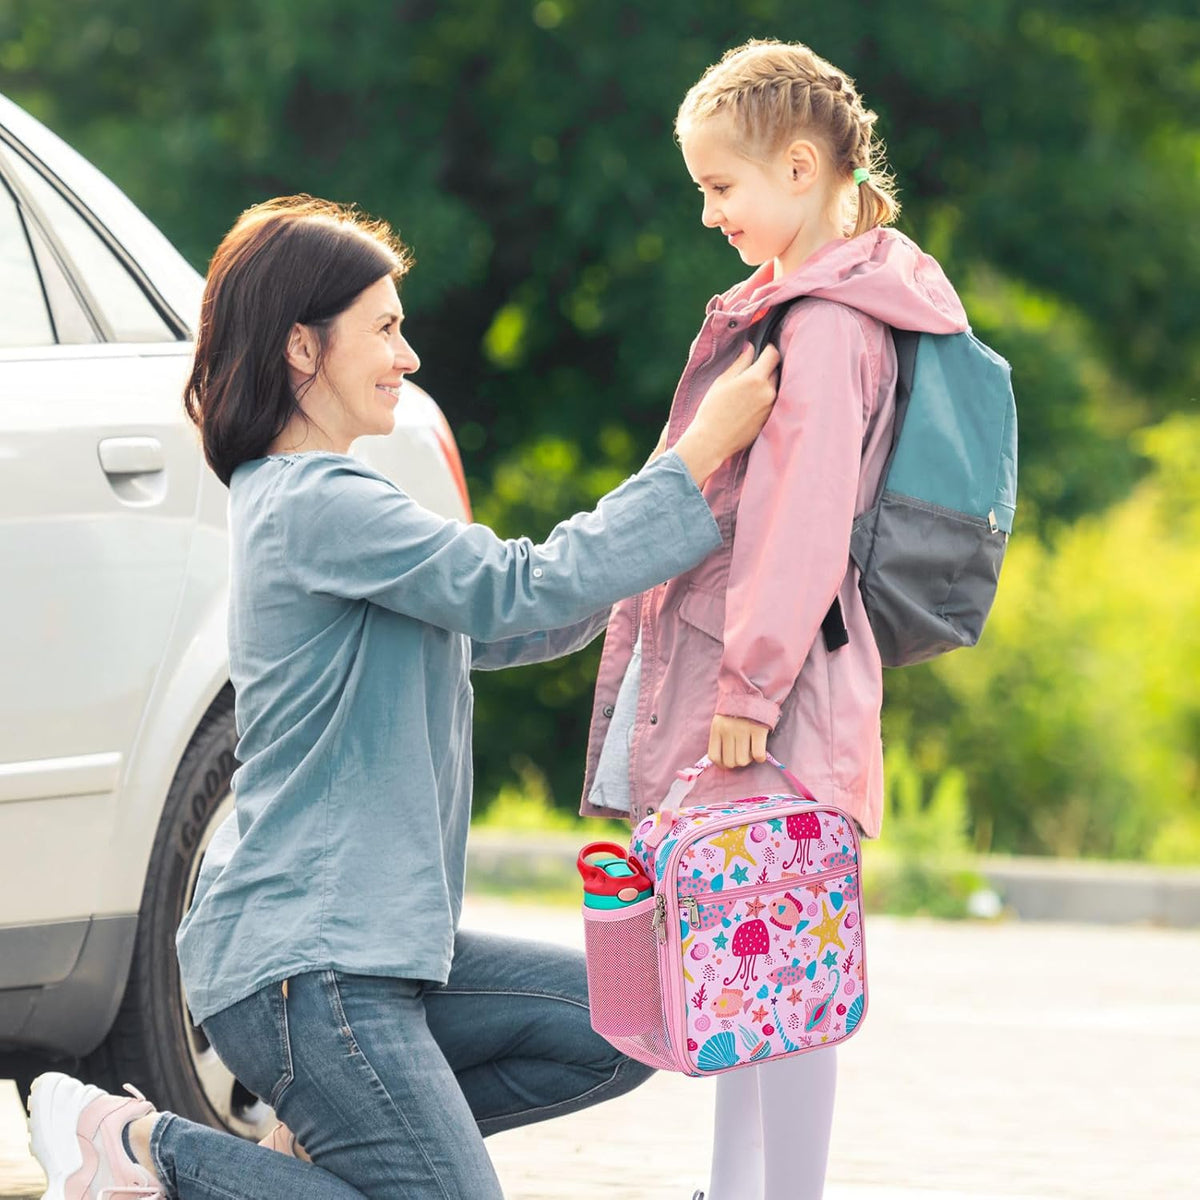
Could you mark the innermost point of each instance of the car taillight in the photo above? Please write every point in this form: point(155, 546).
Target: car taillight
point(449, 449)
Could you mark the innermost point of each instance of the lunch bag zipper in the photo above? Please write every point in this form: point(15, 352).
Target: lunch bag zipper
point(692, 903)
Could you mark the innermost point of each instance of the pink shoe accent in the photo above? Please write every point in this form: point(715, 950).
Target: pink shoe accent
point(76, 1135)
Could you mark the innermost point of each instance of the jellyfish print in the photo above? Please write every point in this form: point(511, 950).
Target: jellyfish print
point(751, 940)
point(803, 828)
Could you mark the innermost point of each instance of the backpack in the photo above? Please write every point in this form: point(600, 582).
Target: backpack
point(929, 549)
point(751, 946)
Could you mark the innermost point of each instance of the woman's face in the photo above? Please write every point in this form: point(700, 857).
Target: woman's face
point(366, 357)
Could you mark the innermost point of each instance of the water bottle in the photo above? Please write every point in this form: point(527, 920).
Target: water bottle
point(611, 878)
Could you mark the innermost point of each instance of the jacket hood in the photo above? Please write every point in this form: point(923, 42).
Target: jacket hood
point(881, 273)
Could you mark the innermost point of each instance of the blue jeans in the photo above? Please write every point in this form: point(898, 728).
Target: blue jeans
point(392, 1084)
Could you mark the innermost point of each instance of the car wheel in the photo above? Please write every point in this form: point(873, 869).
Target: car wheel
point(153, 1043)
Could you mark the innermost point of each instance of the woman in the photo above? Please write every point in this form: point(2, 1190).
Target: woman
point(322, 954)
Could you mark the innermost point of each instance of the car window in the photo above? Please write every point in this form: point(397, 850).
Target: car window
point(123, 304)
point(71, 322)
point(24, 317)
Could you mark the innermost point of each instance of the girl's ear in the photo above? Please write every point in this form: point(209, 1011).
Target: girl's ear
point(301, 351)
point(804, 164)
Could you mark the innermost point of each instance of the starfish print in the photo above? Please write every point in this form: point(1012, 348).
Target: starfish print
point(733, 842)
point(755, 906)
point(817, 889)
point(720, 941)
point(740, 875)
point(759, 1014)
point(828, 931)
point(777, 825)
point(794, 997)
point(791, 944)
point(830, 960)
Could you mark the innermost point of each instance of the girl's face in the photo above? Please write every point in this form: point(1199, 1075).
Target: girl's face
point(366, 357)
point(766, 210)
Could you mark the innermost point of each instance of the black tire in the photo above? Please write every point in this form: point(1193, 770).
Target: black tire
point(24, 1066)
point(152, 1042)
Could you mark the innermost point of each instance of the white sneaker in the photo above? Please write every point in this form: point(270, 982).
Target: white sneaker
point(76, 1136)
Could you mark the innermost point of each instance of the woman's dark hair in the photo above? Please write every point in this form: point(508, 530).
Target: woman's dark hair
point(291, 260)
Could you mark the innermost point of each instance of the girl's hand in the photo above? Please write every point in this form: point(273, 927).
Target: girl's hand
point(734, 741)
point(732, 412)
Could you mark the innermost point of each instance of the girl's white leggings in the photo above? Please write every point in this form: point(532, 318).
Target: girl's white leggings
point(771, 1136)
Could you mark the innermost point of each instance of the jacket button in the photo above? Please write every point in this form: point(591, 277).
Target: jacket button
point(649, 809)
point(654, 718)
point(608, 710)
point(537, 572)
point(733, 324)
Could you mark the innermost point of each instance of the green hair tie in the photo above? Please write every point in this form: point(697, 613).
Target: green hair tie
point(861, 175)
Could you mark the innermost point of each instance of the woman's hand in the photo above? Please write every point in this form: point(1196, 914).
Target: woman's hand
point(732, 412)
point(734, 741)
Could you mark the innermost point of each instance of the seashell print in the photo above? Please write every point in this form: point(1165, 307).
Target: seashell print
point(719, 1052)
point(854, 1015)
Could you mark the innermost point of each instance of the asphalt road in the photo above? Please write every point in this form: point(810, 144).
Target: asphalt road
point(998, 1062)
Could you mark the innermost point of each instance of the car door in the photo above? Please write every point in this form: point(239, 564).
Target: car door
point(99, 477)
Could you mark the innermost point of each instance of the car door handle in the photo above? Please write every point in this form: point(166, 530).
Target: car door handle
point(132, 456)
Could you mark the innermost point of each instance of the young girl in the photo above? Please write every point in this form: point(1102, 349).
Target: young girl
point(730, 657)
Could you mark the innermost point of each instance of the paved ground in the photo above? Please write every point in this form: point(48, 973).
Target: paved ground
point(998, 1062)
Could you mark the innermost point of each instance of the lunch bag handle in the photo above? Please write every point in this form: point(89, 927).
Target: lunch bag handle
point(686, 780)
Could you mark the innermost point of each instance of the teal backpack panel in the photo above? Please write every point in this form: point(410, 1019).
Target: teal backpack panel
point(958, 443)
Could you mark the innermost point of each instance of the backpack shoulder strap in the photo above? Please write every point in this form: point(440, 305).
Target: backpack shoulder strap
point(765, 330)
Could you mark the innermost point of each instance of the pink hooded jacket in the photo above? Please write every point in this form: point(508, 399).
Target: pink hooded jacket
point(740, 633)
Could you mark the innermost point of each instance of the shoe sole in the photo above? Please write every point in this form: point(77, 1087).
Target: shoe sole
point(55, 1103)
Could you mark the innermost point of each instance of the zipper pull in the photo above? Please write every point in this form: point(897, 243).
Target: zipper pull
point(693, 907)
point(658, 923)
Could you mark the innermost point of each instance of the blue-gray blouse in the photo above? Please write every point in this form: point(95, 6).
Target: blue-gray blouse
point(355, 616)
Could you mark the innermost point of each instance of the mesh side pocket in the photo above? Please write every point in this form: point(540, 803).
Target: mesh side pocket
point(622, 969)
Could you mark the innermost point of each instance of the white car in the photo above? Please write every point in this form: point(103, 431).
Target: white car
point(116, 714)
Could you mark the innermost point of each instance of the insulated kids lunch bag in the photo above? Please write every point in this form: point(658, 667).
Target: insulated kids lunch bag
point(750, 946)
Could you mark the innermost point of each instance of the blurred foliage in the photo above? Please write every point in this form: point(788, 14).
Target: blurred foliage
point(1077, 719)
point(1049, 154)
point(921, 863)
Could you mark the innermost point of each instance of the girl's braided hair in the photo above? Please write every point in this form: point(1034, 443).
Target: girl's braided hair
point(776, 91)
